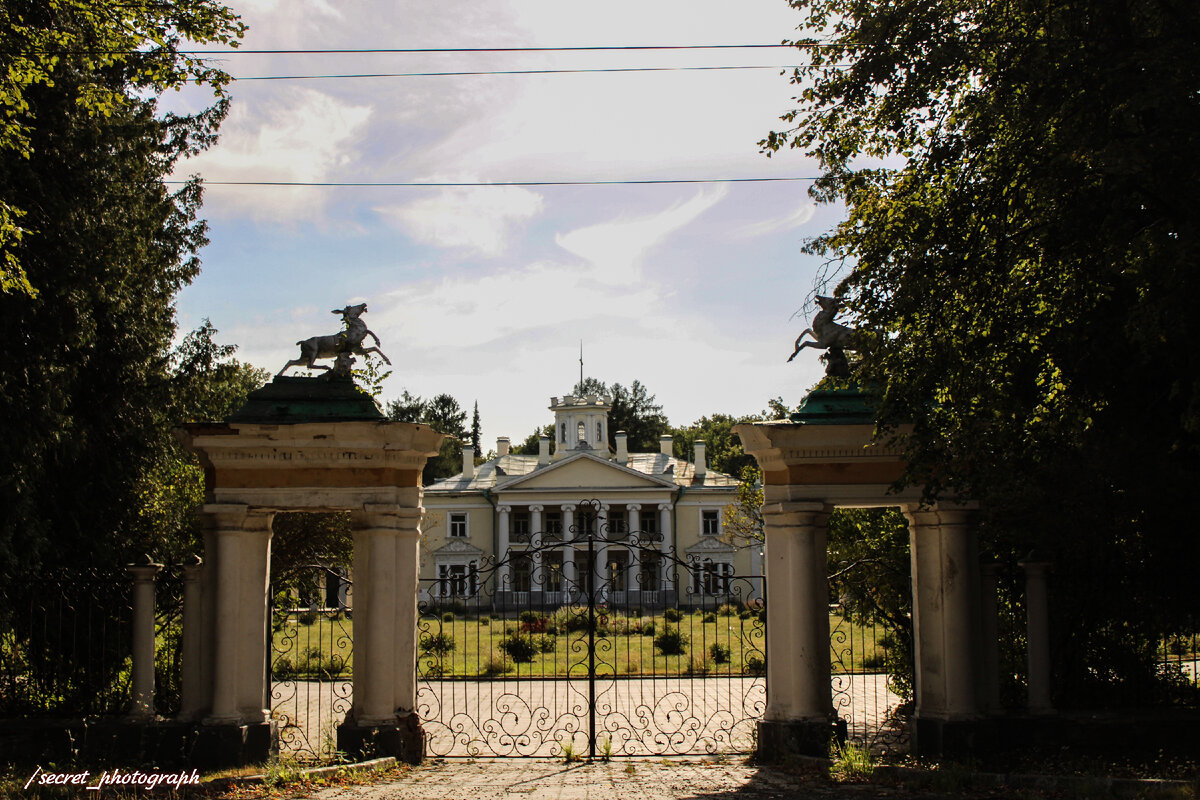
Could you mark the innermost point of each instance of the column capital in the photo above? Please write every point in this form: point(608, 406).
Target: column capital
point(537, 508)
point(633, 506)
point(504, 509)
point(941, 514)
point(144, 571)
point(567, 507)
point(664, 506)
point(793, 514)
point(604, 507)
point(193, 569)
point(385, 518)
point(235, 517)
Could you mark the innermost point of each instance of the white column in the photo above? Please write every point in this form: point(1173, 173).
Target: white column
point(798, 669)
point(668, 563)
point(570, 579)
point(635, 556)
point(600, 568)
point(1037, 635)
point(536, 539)
point(386, 555)
point(191, 690)
point(143, 574)
point(243, 550)
point(945, 596)
point(502, 544)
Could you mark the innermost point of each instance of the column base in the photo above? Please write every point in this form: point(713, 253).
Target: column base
point(218, 745)
point(403, 739)
point(778, 739)
point(942, 738)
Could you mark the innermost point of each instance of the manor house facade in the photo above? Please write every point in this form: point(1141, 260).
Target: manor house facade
point(513, 531)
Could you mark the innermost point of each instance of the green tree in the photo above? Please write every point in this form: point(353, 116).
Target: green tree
point(444, 414)
point(635, 412)
point(1020, 255)
point(409, 408)
point(85, 367)
point(123, 48)
point(476, 431)
point(531, 446)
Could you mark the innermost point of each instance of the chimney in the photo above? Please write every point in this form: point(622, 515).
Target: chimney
point(622, 447)
point(468, 462)
point(543, 450)
point(701, 468)
point(664, 445)
point(502, 446)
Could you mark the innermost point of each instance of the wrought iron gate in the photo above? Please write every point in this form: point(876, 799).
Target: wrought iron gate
point(310, 663)
point(591, 642)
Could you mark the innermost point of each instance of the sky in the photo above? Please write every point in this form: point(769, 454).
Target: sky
point(485, 292)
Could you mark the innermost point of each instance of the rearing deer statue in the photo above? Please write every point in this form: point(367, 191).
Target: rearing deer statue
point(347, 341)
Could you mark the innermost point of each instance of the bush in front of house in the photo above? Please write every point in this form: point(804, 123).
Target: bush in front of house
point(671, 642)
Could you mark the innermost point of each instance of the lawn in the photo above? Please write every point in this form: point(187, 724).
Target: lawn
point(726, 642)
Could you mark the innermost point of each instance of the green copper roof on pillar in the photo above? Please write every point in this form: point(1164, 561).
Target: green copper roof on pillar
point(837, 402)
point(289, 400)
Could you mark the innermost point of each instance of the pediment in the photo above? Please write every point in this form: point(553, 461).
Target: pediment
point(709, 545)
point(458, 547)
point(585, 471)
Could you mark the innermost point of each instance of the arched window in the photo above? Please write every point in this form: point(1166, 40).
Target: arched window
point(599, 432)
point(582, 432)
point(562, 436)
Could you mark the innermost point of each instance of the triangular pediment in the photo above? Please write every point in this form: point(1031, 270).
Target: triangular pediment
point(710, 545)
point(586, 471)
point(458, 547)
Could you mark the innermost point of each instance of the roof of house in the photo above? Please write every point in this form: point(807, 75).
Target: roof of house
point(499, 471)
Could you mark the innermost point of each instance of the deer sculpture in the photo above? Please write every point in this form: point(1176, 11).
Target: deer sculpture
point(335, 345)
point(828, 335)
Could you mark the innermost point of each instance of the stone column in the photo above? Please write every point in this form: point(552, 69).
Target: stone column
point(989, 634)
point(243, 555)
point(192, 696)
point(536, 540)
point(945, 632)
point(142, 709)
point(570, 579)
point(503, 586)
point(798, 665)
point(1037, 634)
point(600, 568)
point(386, 562)
point(633, 523)
point(668, 563)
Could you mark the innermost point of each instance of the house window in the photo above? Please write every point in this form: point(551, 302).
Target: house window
point(562, 436)
point(648, 520)
point(522, 574)
point(711, 578)
point(457, 580)
point(599, 432)
point(552, 574)
point(554, 523)
point(520, 526)
point(582, 431)
point(458, 526)
point(710, 523)
point(616, 523)
point(648, 574)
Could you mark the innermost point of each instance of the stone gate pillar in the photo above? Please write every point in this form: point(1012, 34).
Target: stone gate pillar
point(946, 613)
point(386, 554)
point(799, 715)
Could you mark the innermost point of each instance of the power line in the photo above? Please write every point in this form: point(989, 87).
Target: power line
point(481, 184)
point(459, 73)
point(580, 49)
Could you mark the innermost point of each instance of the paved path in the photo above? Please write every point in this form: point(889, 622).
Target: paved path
point(630, 779)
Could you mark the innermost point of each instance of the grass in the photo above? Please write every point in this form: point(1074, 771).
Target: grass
point(471, 645)
point(850, 763)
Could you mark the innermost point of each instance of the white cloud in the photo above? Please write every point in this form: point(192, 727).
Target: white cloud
point(616, 248)
point(299, 135)
point(777, 225)
point(479, 220)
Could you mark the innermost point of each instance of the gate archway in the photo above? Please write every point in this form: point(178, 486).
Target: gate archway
point(621, 649)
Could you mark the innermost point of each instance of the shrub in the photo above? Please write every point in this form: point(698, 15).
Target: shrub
point(755, 665)
point(648, 628)
point(745, 613)
point(535, 625)
point(448, 616)
point(485, 620)
point(519, 648)
point(496, 664)
point(719, 653)
point(283, 669)
point(727, 610)
point(672, 615)
point(434, 669)
point(708, 617)
point(545, 643)
point(671, 642)
point(874, 661)
point(307, 618)
point(437, 643)
point(529, 616)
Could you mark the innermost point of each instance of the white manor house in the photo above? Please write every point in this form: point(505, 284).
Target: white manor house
point(657, 522)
